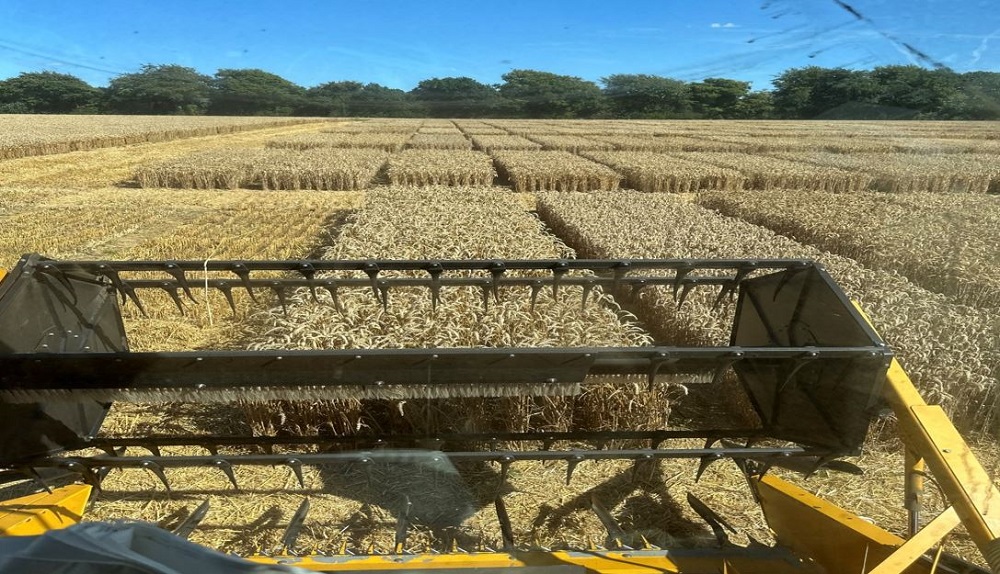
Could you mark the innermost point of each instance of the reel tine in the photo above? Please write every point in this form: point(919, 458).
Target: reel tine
point(497, 271)
point(372, 270)
point(157, 470)
point(383, 289)
point(61, 277)
point(621, 269)
point(506, 529)
point(171, 289)
point(615, 532)
point(587, 288)
point(177, 273)
point(402, 527)
point(720, 371)
point(227, 292)
point(308, 273)
point(331, 287)
point(717, 523)
point(558, 271)
point(33, 474)
point(279, 291)
point(505, 462)
point(704, 463)
point(654, 368)
point(536, 287)
point(227, 468)
point(296, 466)
point(485, 288)
point(685, 291)
point(243, 273)
point(294, 527)
point(434, 269)
point(129, 292)
point(682, 272)
point(187, 526)
point(571, 464)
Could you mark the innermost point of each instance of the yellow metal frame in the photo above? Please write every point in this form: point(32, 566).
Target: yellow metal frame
point(733, 560)
point(38, 513)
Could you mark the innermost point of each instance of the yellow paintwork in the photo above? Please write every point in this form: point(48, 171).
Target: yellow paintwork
point(38, 513)
point(841, 541)
point(933, 440)
point(610, 562)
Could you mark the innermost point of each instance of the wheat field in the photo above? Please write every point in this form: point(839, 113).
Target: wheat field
point(904, 215)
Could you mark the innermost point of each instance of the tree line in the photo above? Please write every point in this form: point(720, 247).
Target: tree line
point(887, 92)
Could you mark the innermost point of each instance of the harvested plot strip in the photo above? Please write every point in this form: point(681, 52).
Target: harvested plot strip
point(554, 170)
point(775, 173)
point(934, 145)
point(61, 230)
point(374, 127)
point(469, 223)
point(491, 143)
point(569, 143)
point(439, 141)
point(950, 350)
point(322, 168)
point(216, 169)
point(944, 243)
point(375, 140)
point(916, 173)
point(318, 168)
point(441, 167)
point(655, 172)
point(647, 143)
point(27, 134)
point(765, 144)
point(483, 130)
point(446, 131)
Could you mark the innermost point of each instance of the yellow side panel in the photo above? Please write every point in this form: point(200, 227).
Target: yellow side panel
point(712, 561)
point(834, 538)
point(38, 513)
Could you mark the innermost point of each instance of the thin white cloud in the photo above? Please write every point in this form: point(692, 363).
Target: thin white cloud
point(723, 25)
point(984, 44)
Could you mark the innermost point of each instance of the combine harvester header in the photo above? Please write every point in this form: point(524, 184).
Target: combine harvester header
point(811, 365)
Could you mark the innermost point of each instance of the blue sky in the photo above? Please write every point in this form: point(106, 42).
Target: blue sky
point(399, 42)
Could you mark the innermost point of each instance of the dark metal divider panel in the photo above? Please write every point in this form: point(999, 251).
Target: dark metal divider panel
point(829, 402)
point(40, 314)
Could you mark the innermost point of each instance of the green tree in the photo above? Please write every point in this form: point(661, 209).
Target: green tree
point(915, 88)
point(536, 94)
point(717, 98)
point(375, 100)
point(755, 106)
point(163, 89)
point(331, 99)
point(252, 92)
point(813, 91)
point(793, 91)
point(46, 93)
point(645, 96)
point(976, 98)
point(456, 97)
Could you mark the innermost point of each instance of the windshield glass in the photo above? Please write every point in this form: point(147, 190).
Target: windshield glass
point(548, 187)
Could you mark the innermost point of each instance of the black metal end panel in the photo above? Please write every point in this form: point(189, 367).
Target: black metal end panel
point(42, 313)
point(826, 402)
